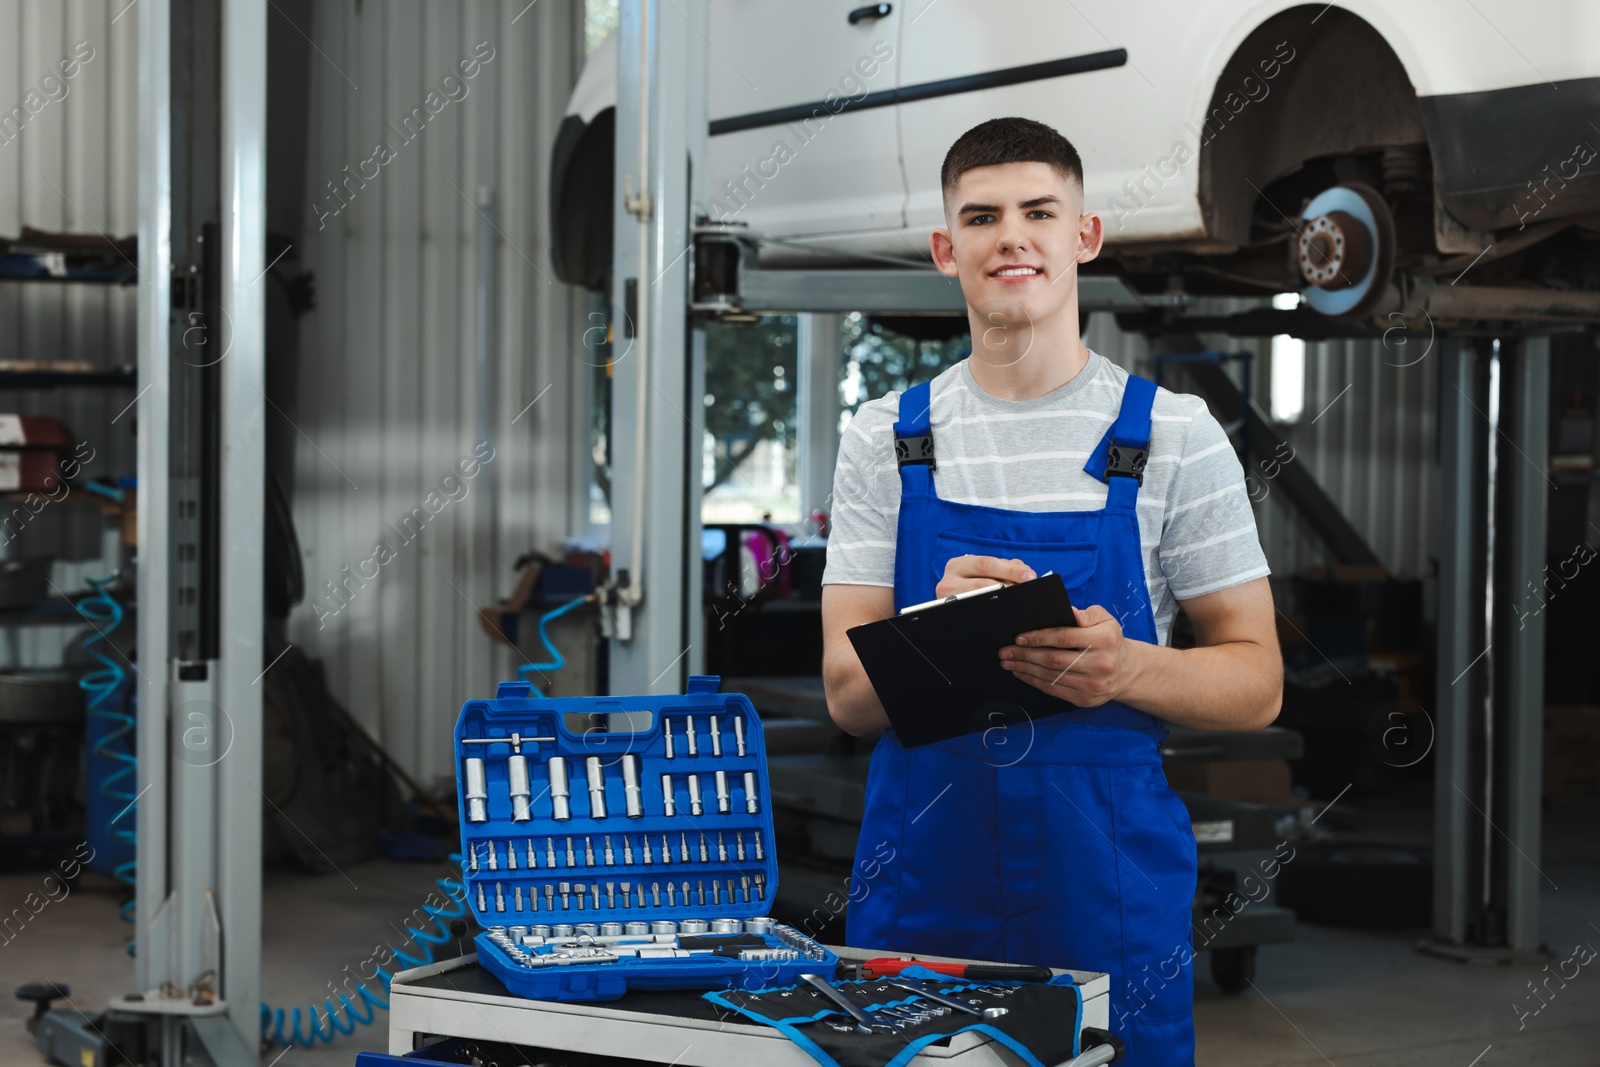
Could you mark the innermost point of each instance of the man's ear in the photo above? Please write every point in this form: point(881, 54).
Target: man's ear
point(944, 253)
point(1091, 236)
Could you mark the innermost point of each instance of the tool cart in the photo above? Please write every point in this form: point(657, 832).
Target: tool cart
point(439, 1014)
point(591, 830)
point(1239, 852)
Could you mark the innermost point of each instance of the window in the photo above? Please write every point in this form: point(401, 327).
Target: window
point(878, 359)
point(599, 22)
point(749, 468)
point(1288, 396)
point(596, 358)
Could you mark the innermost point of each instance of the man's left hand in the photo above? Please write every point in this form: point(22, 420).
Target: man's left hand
point(1088, 665)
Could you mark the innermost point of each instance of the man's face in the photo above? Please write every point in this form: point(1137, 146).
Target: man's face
point(1016, 237)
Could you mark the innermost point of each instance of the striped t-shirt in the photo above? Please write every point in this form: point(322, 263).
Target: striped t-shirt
point(1195, 524)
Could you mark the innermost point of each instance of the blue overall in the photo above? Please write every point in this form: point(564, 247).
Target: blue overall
point(1055, 841)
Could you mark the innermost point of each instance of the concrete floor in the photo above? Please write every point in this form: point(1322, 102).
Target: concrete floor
point(1347, 998)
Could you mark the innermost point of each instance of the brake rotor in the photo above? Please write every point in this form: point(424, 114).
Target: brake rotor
point(1345, 250)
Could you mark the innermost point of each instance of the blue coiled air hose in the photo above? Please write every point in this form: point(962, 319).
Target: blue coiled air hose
point(556, 660)
point(104, 614)
point(330, 1020)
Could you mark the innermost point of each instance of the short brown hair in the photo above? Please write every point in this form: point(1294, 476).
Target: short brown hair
point(1010, 140)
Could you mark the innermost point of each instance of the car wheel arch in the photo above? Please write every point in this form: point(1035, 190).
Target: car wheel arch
point(1344, 90)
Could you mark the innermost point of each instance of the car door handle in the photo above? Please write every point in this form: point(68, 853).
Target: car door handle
point(871, 12)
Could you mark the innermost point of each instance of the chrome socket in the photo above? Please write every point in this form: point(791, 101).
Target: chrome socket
point(477, 794)
point(722, 791)
point(597, 787)
point(517, 779)
point(667, 797)
point(752, 802)
point(630, 786)
point(559, 794)
point(694, 794)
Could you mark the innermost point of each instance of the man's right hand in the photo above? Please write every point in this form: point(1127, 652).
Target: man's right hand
point(965, 573)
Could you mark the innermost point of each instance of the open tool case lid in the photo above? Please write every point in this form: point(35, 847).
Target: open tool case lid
point(616, 730)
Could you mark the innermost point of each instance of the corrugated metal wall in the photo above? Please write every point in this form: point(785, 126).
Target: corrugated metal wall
point(1372, 448)
point(1367, 435)
point(388, 393)
point(68, 151)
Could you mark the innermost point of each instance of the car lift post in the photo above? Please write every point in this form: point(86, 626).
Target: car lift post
point(658, 350)
point(200, 432)
point(1493, 454)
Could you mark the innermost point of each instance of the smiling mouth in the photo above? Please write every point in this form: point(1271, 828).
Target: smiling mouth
point(1016, 272)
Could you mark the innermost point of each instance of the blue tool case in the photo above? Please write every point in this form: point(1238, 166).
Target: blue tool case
point(616, 843)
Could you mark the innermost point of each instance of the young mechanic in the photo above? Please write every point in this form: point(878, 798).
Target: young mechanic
point(1056, 841)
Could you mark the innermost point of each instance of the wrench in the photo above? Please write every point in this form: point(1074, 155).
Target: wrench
point(949, 1002)
point(865, 1023)
point(910, 1015)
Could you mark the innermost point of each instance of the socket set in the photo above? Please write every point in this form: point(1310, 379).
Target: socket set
point(635, 854)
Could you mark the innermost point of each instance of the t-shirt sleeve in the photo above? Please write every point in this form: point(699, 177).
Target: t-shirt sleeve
point(1208, 536)
point(865, 511)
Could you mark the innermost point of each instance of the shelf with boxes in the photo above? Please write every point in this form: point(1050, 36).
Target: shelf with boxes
point(636, 852)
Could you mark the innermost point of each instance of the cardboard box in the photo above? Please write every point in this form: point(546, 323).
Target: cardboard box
point(1572, 751)
point(1253, 781)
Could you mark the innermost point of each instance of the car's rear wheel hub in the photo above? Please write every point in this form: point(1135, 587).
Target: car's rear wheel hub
point(1345, 250)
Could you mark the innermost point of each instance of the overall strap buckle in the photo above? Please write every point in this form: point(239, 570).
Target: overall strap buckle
point(1125, 448)
point(918, 449)
point(1126, 462)
point(913, 430)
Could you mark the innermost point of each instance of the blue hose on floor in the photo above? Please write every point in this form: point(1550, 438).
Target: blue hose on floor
point(102, 612)
point(330, 1020)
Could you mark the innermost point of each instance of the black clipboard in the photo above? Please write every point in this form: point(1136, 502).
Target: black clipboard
point(937, 670)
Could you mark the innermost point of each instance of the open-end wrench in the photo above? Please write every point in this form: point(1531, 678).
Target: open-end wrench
point(865, 1023)
point(910, 1015)
point(949, 1002)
